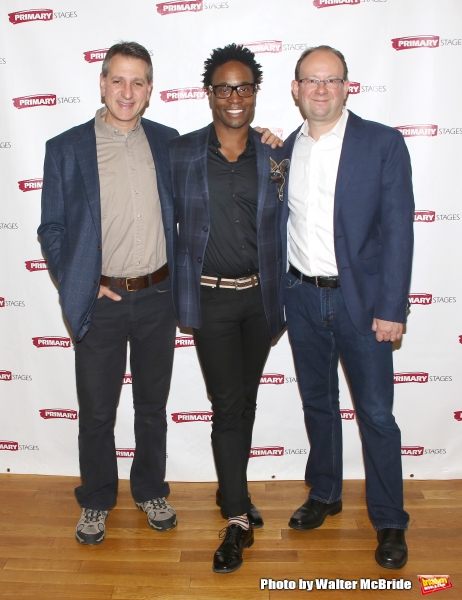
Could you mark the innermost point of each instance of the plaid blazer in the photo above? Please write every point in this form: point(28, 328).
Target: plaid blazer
point(188, 155)
point(70, 230)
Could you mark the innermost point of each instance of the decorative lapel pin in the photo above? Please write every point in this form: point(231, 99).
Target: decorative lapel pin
point(278, 175)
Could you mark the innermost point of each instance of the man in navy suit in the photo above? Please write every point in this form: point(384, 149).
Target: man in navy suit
point(350, 238)
point(108, 232)
point(228, 197)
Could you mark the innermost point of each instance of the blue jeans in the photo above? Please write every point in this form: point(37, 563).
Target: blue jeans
point(320, 330)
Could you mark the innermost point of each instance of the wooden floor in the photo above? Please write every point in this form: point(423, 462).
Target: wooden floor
point(40, 559)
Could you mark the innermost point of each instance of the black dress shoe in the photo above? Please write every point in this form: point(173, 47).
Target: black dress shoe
point(313, 513)
point(228, 557)
point(253, 515)
point(391, 552)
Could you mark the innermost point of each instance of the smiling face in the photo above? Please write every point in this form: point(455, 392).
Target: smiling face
point(322, 107)
point(233, 112)
point(125, 90)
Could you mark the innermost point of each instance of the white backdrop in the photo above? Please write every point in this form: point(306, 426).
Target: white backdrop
point(404, 58)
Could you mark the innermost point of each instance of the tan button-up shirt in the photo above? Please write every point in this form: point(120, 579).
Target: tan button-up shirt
point(131, 220)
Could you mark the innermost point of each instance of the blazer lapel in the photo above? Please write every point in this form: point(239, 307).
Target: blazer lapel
point(263, 171)
point(85, 151)
point(351, 152)
point(200, 162)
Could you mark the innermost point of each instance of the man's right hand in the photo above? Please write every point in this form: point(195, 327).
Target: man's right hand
point(105, 291)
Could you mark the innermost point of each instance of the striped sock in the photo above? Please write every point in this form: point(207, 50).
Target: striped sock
point(240, 520)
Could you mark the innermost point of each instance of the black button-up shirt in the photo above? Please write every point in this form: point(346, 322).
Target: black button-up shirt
point(232, 250)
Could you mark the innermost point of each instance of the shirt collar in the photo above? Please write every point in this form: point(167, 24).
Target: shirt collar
point(338, 129)
point(215, 143)
point(105, 130)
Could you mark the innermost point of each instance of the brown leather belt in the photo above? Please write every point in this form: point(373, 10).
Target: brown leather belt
point(133, 284)
point(237, 284)
point(319, 281)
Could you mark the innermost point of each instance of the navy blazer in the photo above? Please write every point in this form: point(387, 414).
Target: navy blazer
point(373, 222)
point(190, 186)
point(70, 231)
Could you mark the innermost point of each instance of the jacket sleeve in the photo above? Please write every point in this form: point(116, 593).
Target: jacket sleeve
point(397, 216)
point(53, 225)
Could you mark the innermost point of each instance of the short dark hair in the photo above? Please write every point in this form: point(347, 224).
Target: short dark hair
point(132, 50)
point(308, 51)
point(221, 56)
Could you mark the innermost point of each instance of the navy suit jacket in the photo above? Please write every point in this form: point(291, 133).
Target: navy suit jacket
point(70, 231)
point(189, 172)
point(373, 222)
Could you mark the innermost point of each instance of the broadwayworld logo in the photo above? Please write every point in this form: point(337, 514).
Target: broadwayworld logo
point(191, 93)
point(326, 3)
point(171, 8)
point(25, 16)
point(28, 185)
point(37, 100)
point(434, 583)
point(266, 451)
point(416, 41)
point(58, 413)
point(202, 416)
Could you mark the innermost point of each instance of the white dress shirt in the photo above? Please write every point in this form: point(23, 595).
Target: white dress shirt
point(313, 176)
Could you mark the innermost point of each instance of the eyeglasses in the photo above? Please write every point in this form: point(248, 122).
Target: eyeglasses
point(246, 90)
point(331, 84)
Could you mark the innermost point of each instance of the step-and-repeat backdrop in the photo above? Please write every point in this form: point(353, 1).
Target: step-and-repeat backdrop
point(404, 58)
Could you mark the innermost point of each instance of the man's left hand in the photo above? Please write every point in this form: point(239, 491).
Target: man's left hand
point(387, 331)
point(269, 138)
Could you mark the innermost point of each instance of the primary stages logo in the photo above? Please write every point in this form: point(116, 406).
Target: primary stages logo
point(171, 8)
point(266, 451)
point(202, 416)
point(424, 216)
point(125, 452)
point(6, 376)
point(58, 413)
point(458, 415)
point(419, 377)
point(191, 93)
point(273, 378)
point(356, 88)
point(25, 16)
point(347, 414)
point(416, 41)
point(326, 3)
point(426, 130)
point(127, 380)
point(12, 303)
point(36, 265)
point(12, 446)
point(422, 299)
point(28, 185)
point(412, 450)
point(95, 55)
point(51, 342)
point(38, 100)
point(264, 46)
point(184, 341)
point(5, 144)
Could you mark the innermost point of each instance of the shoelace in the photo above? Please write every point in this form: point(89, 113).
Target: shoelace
point(157, 504)
point(94, 515)
point(230, 533)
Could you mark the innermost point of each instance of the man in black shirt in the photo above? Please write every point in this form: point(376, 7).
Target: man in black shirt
point(231, 259)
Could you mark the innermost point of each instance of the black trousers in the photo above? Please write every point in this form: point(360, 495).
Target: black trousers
point(233, 344)
point(145, 318)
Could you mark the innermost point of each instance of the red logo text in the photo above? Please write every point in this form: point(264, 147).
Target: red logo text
point(416, 41)
point(347, 414)
point(13, 446)
point(434, 583)
point(170, 8)
point(127, 380)
point(58, 413)
point(36, 265)
point(274, 378)
point(30, 184)
point(426, 130)
point(265, 46)
point(51, 342)
point(411, 377)
point(458, 415)
point(183, 341)
point(24, 16)
point(423, 299)
point(412, 450)
point(266, 451)
point(125, 452)
point(424, 216)
point(95, 55)
point(204, 416)
point(325, 3)
point(191, 93)
point(38, 100)
point(6, 375)
point(354, 87)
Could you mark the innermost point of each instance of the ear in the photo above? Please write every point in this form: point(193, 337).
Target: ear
point(295, 86)
point(102, 85)
point(346, 89)
point(150, 86)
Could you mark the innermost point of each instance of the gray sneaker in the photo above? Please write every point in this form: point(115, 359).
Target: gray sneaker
point(91, 528)
point(161, 515)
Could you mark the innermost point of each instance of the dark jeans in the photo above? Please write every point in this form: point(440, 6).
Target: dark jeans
point(320, 330)
point(145, 318)
point(233, 344)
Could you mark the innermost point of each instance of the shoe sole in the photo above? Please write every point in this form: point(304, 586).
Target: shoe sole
point(224, 571)
point(331, 513)
point(92, 542)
